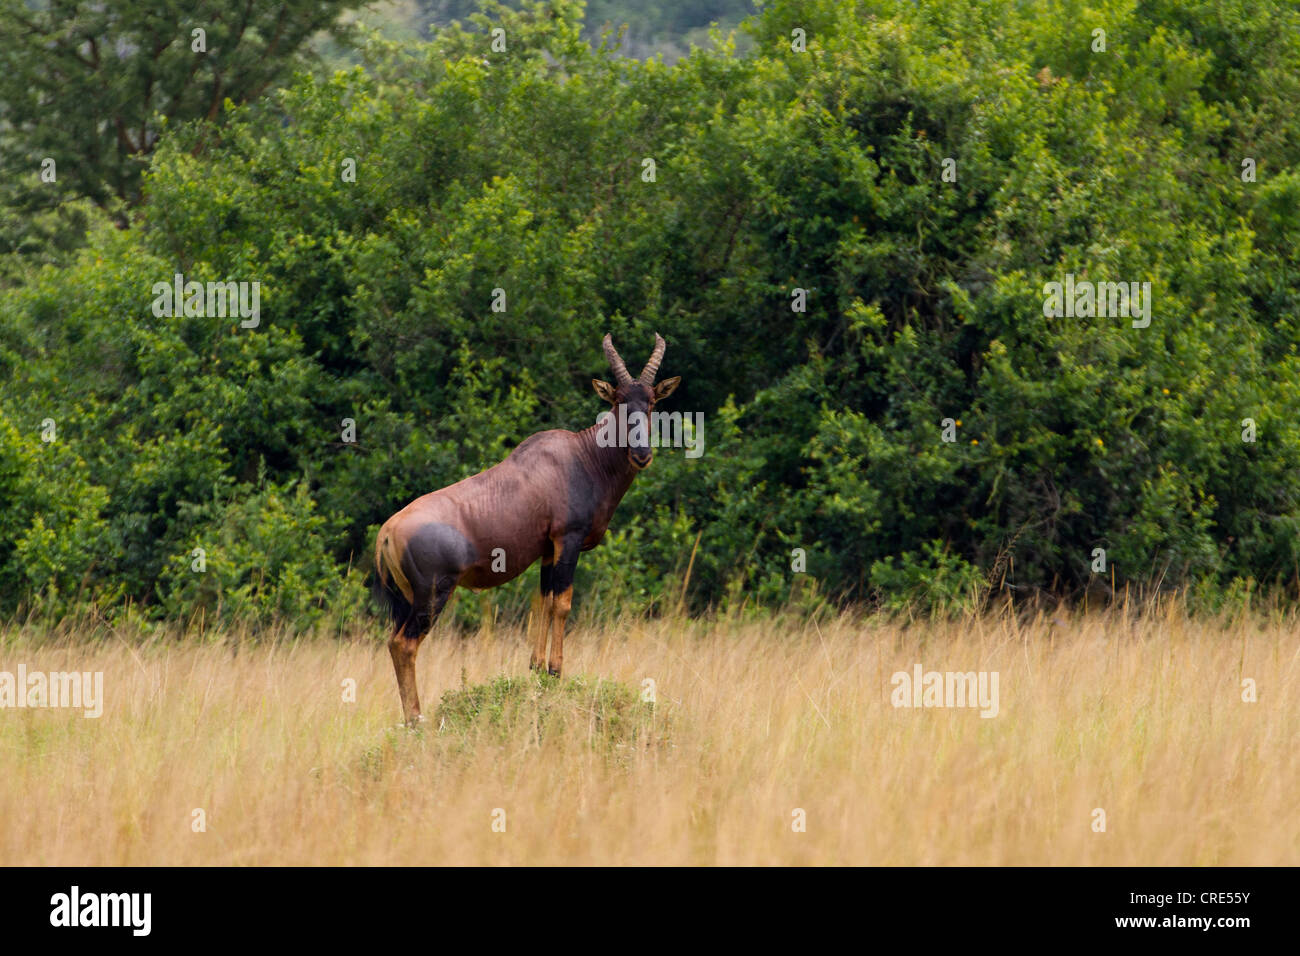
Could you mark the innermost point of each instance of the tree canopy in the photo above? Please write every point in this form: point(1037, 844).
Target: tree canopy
point(92, 86)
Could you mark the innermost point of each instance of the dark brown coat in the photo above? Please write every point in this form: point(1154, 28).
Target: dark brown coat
point(551, 498)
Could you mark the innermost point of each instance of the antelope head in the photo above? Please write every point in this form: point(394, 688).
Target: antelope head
point(639, 395)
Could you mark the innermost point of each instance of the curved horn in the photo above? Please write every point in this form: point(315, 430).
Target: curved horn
point(621, 375)
point(652, 367)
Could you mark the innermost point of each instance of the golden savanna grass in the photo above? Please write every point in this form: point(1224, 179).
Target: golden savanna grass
point(1139, 715)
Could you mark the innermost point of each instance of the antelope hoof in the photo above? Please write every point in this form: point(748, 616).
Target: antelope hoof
point(553, 670)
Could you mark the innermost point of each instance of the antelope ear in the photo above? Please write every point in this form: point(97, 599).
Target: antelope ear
point(603, 389)
point(667, 387)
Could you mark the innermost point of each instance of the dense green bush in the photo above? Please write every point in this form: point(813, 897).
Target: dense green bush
point(260, 557)
point(773, 172)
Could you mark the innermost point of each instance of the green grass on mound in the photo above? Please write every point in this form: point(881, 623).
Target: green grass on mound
point(600, 713)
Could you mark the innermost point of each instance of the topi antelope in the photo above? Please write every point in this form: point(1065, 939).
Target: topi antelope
point(551, 498)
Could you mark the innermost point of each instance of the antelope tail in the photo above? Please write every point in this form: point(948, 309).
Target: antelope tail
point(388, 565)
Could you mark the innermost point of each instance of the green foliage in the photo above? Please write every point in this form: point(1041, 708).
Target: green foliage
point(933, 578)
point(642, 28)
point(93, 86)
point(525, 171)
point(260, 557)
point(53, 534)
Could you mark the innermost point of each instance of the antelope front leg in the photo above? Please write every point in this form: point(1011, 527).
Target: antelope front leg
point(542, 620)
point(566, 563)
point(559, 614)
point(542, 626)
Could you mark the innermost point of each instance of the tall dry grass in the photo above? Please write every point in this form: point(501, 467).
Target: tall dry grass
point(1141, 716)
